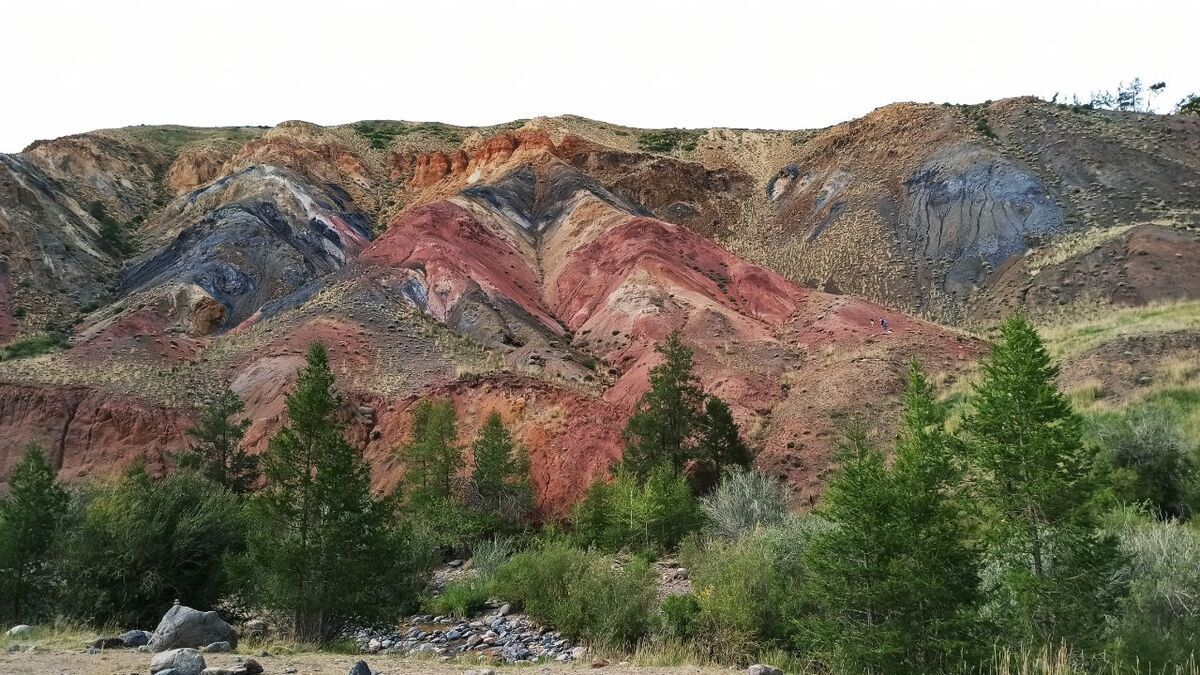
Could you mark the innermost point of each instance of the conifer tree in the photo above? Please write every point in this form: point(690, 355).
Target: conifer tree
point(322, 547)
point(29, 519)
point(1049, 567)
point(720, 443)
point(500, 474)
point(433, 457)
point(894, 580)
point(218, 451)
point(661, 430)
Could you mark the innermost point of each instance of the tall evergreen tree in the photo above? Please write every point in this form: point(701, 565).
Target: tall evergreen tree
point(29, 519)
point(322, 547)
point(1049, 566)
point(500, 472)
point(218, 451)
point(720, 444)
point(433, 458)
point(661, 430)
point(894, 580)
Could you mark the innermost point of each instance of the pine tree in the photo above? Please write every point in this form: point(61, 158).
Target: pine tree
point(501, 472)
point(432, 459)
point(661, 430)
point(29, 518)
point(218, 451)
point(894, 580)
point(1037, 483)
point(321, 546)
point(720, 444)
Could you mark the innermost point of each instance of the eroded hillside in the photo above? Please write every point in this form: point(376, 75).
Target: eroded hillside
point(530, 268)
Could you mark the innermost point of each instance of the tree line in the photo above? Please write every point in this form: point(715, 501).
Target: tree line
point(1003, 530)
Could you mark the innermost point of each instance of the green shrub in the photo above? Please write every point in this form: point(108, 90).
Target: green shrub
point(489, 554)
point(681, 615)
point(33, 346)
point(749, 591)
point(668, 140)
point(1159, 621)
point(744, 501)
point(461, 598)
point(654, 515)
point(1152, 461)
point(112, 233)
point(381, 133)
point(132, 547)
point(583, 594)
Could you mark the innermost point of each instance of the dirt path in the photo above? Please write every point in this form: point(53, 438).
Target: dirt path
point(122, 662)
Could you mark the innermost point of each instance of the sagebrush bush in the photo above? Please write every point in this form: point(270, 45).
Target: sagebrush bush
point(744, 501)
point(583, 594)
point(1152, 460)
point(1159, 622)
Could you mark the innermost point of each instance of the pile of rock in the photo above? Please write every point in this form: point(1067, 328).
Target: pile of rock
point(498, 636)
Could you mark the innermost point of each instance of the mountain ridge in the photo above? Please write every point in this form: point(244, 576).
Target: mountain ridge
point(530, 268)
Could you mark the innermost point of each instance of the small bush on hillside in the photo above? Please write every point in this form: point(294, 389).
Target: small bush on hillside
point(668, 140)
point(1152, 461)
point(131, 547)
point(33, 346)
point(583, 594)
point(743, 502)
point(112, 233)
point(654, 515)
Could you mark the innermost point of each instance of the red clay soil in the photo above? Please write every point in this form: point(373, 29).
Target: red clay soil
point(455, 252)
point(1149, 263)
point(572, 439)
point(143, 334)
point(87, 431)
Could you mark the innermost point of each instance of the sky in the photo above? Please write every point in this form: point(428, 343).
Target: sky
point(73, 66)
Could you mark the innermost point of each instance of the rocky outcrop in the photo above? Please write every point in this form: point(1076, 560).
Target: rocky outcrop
point(118, 173)
point(8, 323)
point(968, 209)
point(194, 167)
point(86, 431)
point(49, 244)
point(183, 627)
point(245, 241)
point(1134, 266)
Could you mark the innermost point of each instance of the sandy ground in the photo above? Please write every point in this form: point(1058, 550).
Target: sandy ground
point(122, 662)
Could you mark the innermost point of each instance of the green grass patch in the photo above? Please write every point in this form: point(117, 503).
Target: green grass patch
point(669, 140)
point(173, 138)
point(461, 599)
point(1072, 339)
point(381, 133)
point(35, 345)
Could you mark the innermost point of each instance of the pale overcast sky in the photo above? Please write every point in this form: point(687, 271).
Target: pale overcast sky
point(76, 66)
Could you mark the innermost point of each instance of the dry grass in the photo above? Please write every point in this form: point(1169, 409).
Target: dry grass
point(1073, 338)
